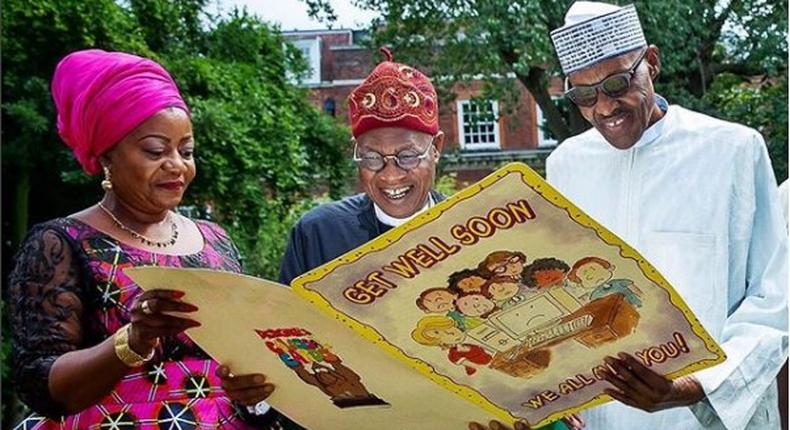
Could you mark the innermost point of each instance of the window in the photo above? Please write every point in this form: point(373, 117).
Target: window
point(478, 126)
point(545, 137)
point(329, 106)
point(311, 51)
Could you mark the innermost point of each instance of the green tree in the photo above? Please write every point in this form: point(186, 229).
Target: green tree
point(31, 149)
point(262, 148)
point(763, 105)
point(504, 41)
point(500, 41)
point(29, 57)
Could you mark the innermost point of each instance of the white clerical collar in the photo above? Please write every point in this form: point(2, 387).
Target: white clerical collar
point(394, 222)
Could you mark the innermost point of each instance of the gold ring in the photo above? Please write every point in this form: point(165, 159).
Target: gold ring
point(146, 308)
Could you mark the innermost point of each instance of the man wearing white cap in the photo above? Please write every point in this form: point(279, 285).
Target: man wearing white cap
point(697, 196)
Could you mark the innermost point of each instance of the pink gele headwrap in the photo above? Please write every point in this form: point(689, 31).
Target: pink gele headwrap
point(102, 96)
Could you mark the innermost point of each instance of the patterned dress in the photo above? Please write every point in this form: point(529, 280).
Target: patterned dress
point(68, 291)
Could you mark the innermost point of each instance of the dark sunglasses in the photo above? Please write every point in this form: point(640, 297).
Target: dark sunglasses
point(614, 86)
point(407, 159)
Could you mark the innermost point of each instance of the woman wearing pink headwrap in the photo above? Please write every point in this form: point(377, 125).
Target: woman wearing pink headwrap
point(89, 345)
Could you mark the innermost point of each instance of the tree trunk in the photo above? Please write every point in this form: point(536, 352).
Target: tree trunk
point(536, 84)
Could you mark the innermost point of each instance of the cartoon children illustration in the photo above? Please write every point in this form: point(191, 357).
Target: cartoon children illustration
point(595, 275)
point(436, 300)
point(545, 273)
point(474, 308)
point(503, 264)
point(440, 301)
point(466, 281)
point(441, 331)
point(504, 294)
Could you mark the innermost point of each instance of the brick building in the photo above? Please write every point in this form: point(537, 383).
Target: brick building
point(478, 138)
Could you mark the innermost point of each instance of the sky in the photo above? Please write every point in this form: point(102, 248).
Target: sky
point(292, 14)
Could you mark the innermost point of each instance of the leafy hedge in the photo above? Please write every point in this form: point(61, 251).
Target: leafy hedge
point(262, 149)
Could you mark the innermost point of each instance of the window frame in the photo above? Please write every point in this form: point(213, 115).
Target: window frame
point(540, 121)
point(313, 46)
point(496, 144)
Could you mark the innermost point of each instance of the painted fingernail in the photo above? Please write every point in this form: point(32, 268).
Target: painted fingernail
point(178, 294)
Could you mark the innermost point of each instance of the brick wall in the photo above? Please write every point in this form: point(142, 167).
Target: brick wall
point(342, 61)
point(338, 94)
point(350, 63)
point(517, 128)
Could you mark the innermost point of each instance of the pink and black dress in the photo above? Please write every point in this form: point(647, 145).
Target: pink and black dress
point(68, 291)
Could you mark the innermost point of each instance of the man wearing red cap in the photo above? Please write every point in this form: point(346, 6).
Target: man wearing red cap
point(395, 124)
point(397, 142)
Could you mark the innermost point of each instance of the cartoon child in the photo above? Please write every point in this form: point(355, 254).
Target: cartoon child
point(441, 331)
point(504, 294)
point(440, 301)
point(503, 264)
point(466, 281)
point(474, 308)
point(595, 274)
point(545, 273)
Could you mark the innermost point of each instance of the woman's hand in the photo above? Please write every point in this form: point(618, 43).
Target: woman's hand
point(150, 320)
point(245, 389)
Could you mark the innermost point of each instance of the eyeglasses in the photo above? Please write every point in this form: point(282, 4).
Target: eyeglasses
point(407, 159)
point(614, 86)
point(502, 267)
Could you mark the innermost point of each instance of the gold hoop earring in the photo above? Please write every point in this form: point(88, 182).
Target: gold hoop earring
point(106, 184)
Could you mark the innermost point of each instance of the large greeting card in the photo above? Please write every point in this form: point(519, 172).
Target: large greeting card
point(505, 295)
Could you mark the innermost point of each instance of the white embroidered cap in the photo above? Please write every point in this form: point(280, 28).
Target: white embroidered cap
point(594, 32)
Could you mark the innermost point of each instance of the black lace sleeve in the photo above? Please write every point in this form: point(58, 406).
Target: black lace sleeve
point(234, 252)
point(46, 311)
point(225, 246)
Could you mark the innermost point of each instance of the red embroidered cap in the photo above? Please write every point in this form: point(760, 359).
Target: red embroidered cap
point(394, 95)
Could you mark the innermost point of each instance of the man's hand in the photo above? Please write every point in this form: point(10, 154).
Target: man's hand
point(637, 386)
point(574, 422)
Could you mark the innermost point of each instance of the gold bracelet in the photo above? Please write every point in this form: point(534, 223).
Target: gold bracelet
point(125, 353)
